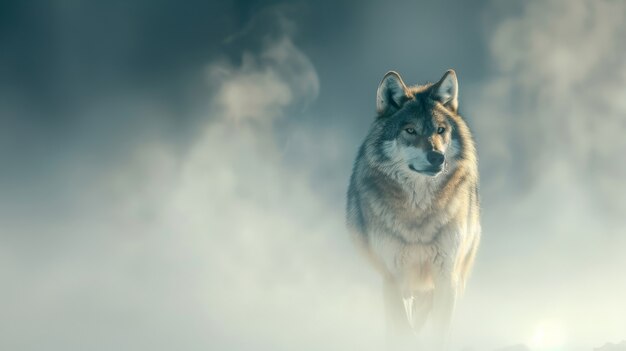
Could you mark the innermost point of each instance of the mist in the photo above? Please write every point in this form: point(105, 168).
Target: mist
point(177, 180)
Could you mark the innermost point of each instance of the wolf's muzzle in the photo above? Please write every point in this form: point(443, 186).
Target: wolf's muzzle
point(435, 158)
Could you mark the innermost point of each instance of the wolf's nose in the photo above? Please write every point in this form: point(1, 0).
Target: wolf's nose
point(435, 158)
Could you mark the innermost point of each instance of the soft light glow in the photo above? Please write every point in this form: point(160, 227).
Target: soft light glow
point(549, 335)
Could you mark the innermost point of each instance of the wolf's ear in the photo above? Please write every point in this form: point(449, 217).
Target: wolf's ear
point(391, 93)
point(446, 90)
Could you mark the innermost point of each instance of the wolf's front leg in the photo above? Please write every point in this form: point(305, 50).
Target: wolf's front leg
point(397, 324)
point(402, 330)
point(444, 302)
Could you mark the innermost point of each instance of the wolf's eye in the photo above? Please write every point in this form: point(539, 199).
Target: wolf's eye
point(440, 130)
point(410, 130)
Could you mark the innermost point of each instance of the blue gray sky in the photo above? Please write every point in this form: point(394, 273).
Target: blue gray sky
point(173, 174)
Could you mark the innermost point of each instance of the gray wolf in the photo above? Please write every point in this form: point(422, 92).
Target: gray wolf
point(412, 204)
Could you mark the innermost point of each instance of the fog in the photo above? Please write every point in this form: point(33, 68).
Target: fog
point(174, 176)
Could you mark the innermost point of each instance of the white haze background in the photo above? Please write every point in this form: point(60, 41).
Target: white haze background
point(228, 244)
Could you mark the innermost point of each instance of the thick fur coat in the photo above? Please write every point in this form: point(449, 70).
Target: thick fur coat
point(413, 204)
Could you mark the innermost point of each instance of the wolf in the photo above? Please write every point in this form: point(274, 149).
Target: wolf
point(412, 203)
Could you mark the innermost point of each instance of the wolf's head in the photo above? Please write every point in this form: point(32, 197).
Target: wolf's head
point(416, 130)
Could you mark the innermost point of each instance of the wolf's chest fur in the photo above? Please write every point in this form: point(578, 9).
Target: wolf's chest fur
point(413, 212)
point(410, 225)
